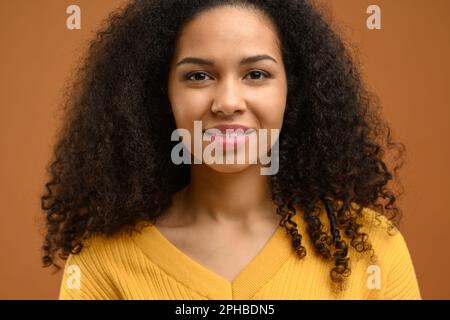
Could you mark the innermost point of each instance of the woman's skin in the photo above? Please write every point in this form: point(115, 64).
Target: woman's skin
point(225, 216)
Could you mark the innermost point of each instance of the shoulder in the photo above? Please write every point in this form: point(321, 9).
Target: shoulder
point(382, 233)
point(100, 246)
point(384, 237)
point(92, 272)
point(392, 256)
point(111, 250)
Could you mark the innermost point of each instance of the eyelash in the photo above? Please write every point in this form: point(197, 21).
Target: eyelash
point(189, 75)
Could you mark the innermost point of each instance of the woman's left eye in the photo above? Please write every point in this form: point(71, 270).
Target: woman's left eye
point(256, 72)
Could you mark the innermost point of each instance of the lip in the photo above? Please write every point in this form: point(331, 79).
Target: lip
point(232, 127)
point(235, 139)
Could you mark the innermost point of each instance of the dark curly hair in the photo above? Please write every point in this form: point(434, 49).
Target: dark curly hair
point(111, 165)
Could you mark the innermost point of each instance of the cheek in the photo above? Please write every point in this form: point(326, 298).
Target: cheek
point(187, 108)
point(187, 105)
point(270, 107)
point(270, 116)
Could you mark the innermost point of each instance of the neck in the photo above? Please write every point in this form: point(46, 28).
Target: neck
point(228, 197)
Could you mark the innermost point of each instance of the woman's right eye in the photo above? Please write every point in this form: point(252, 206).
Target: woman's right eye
point(196, 74)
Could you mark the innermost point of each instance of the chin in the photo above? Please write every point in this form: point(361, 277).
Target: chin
point(229, 168)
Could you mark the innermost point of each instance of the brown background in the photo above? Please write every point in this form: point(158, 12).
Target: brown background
point(406, 63)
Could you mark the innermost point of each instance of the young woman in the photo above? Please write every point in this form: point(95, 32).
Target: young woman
point(135, 223)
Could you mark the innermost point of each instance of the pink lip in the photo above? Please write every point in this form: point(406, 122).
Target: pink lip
point(223, 127)
point(234, 142)
point(230, 143)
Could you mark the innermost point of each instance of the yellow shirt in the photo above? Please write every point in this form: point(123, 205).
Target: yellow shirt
point(147, 265)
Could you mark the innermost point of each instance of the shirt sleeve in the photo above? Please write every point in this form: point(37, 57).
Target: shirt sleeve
point(85, 276)
point(402, 282)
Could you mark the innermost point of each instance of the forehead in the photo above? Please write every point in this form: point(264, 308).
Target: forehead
point(228, 31)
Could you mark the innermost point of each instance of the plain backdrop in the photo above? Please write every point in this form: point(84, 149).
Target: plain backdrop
point(406, 64)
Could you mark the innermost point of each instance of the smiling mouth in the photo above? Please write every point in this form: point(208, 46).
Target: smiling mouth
point(230, 134)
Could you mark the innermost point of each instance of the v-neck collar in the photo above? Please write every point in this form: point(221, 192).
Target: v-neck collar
point(207, 283)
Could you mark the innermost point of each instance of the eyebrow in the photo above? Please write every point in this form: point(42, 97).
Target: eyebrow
point(246, 60)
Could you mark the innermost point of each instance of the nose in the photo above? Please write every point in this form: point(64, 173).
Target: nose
point(229, 98)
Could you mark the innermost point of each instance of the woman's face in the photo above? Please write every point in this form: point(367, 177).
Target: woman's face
point(227, 69)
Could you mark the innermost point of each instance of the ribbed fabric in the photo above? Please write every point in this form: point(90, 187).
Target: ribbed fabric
point(147, 265)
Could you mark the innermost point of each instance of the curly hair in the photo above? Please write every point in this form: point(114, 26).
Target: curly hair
point(111, 163)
